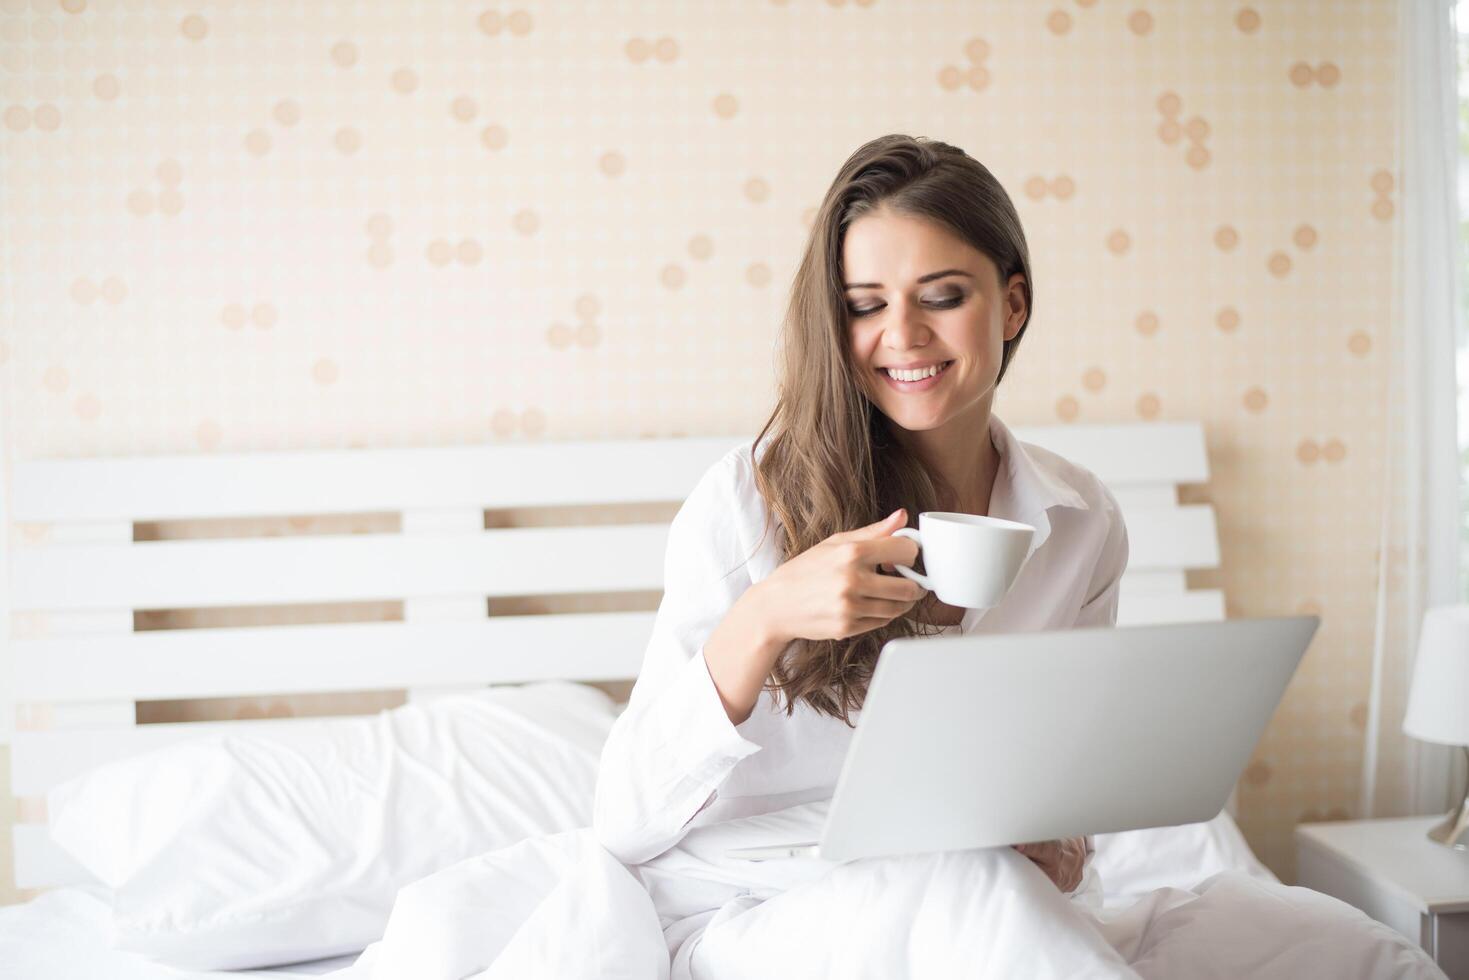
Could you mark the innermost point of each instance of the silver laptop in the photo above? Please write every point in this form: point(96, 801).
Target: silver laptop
point(987, 740)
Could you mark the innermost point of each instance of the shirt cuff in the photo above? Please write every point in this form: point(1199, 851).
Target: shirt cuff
point(697, 731)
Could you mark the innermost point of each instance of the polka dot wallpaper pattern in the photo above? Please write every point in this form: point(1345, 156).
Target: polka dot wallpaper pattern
point(251, 224)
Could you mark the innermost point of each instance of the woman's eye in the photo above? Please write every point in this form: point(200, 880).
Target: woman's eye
point(944, 303)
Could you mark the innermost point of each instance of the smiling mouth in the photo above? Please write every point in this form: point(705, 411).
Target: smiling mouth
point(914, 377)
point(919, 386)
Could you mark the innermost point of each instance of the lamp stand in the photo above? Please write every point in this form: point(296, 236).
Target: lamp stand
point(1454, 831)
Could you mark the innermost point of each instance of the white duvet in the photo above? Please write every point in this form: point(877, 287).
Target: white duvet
point(563, 907)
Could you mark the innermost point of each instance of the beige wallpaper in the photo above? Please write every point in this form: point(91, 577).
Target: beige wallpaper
point(251, 224)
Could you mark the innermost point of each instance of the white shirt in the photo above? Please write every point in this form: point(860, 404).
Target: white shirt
point(673, 760)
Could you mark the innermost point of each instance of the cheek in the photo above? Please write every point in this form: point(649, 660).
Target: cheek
point(968, 332)
point(862, 350)
point(989, 339)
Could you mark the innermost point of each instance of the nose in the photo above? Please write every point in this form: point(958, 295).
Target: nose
point(907, 328)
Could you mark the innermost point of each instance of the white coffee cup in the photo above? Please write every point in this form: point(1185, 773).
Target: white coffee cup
point(971, 560)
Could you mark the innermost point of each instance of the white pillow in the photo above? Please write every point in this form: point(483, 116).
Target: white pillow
point(247, 850)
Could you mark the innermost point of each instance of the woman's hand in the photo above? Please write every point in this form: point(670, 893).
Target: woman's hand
point(1063, 861)
point(833, 589)
point(829, 591)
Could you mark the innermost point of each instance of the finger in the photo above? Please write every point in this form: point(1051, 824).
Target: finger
point(890, 587)
point(879, 529)
point(1048, 868)
point(890, 549)
point(866, 624)
point(885, 609)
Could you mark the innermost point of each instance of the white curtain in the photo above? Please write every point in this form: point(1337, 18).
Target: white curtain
point(1418, 561)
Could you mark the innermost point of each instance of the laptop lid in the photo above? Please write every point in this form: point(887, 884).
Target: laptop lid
point(986, 740)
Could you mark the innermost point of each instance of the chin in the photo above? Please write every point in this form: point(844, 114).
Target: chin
point(916, 421)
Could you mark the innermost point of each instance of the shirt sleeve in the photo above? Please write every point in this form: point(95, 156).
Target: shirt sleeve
point(668, 752)
point(1100, 608)
point(1087, 871)
point(1088, 892)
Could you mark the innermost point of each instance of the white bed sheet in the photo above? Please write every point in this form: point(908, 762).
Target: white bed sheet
point(63, 933)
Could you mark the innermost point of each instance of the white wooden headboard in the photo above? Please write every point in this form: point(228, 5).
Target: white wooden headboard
point(75, 686)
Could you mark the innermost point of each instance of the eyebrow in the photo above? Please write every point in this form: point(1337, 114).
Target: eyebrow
point(921, 279)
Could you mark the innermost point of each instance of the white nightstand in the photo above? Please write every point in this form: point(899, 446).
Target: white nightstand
point(1391, 871)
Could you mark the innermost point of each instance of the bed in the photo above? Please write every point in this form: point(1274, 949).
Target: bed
point(78, 581)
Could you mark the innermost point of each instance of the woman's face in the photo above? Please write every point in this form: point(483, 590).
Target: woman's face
point(919, 298)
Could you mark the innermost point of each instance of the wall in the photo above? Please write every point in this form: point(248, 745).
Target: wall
point(258, 225)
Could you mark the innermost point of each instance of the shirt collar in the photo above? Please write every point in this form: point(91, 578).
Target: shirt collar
point(1026, 485)
point(1026, 488)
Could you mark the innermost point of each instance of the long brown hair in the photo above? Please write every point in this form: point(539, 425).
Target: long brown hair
point(831, 463)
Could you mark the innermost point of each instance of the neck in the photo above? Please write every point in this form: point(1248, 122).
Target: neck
point(961, 457)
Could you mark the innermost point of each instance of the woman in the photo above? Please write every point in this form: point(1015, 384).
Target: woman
point(908, 307)
point(773, 614)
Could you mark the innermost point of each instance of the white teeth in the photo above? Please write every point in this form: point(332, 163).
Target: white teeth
point(915, 375)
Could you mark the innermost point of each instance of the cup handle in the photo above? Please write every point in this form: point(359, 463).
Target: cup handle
point(904, 570)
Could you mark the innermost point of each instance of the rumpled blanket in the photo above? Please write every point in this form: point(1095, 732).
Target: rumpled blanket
point(563, 908)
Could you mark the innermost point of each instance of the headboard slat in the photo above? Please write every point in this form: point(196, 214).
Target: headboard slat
point(497, 562)
point(341, 568)
point(177, 487)
point(347, 481)
point(1194, 606)
point(1129, 453)
point(1183, 537)
point(254, 661)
